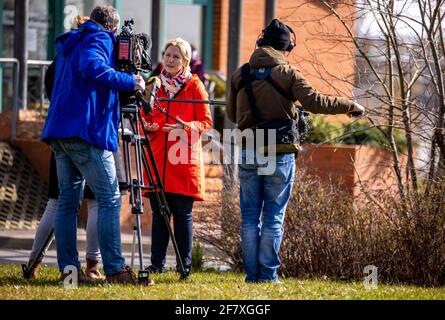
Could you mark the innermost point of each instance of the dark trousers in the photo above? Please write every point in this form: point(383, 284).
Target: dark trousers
point(181, 209)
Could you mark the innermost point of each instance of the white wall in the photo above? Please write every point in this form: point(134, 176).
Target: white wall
point(140, 12)
point(184, 21)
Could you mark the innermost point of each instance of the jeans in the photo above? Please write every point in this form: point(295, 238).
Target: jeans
point(92, 249)
point(181, 209)
point(76, 160)
point(46, 226)
point(263, 201)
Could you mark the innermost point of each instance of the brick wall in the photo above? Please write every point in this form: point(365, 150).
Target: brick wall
point(353, 166)
point(323, 53)
point(220, 34)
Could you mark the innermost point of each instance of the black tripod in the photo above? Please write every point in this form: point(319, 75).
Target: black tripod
point(29, 269)
point(132, 139)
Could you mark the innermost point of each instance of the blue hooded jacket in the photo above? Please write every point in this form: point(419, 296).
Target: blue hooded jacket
point(84, 101)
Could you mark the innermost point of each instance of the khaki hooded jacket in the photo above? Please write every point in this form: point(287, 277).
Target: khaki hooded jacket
point(271, 104)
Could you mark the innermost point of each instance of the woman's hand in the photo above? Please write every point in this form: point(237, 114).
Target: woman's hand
point(150, 127)
point(169, 127)
point(181, 125)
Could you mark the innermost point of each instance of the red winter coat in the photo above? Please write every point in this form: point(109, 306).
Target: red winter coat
point(180, 162)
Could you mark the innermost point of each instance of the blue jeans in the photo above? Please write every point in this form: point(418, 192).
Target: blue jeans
point(78, 160)
point(263, 204)
point(181, 207)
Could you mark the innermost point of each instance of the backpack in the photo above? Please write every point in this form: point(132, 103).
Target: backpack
point(302, 124)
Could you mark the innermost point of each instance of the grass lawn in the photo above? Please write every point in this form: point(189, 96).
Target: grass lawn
point(201, 286)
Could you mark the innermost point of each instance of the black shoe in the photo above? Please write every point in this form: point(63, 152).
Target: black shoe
point(155, 269)
point(186, 274)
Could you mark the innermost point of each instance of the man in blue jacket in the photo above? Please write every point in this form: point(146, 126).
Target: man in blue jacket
point(82, 129)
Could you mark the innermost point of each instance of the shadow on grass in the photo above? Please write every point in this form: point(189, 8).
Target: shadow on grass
point(50, 277)
point(14, 280)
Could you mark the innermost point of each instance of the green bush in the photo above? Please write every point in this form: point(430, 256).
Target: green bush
point(322, 131)
point(197, 257)
point(357, 132)
point(220, 86)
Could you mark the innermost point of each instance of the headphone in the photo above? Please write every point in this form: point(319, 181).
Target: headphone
point(293, 42)
point(290, 47)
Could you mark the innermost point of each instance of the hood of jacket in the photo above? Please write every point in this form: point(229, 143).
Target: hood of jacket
point(267, 57)
point(66, 42)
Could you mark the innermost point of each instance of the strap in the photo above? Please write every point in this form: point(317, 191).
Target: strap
point(263, 75)
point(245, 73)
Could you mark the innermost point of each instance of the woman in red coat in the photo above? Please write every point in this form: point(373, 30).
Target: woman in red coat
point(177, 151)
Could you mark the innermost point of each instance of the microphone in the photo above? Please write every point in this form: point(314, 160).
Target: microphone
point(148, 105)
point(154, 89)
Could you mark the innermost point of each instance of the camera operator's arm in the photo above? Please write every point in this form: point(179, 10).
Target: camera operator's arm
point(314, 101)
point(95, 64)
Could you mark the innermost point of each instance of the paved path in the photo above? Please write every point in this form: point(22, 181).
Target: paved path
point(17, 256)
point(15, 246)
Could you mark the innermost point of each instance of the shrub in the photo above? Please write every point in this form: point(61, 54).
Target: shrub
point(329, 235)
point(223, 230)
point(322, 131)
point(220, 85)
point(197, 257)
point(357, 132)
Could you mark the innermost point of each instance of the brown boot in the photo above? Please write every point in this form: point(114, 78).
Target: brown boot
point(81, 278)
point(125, 275)
point(34, 273)
point(92, 272)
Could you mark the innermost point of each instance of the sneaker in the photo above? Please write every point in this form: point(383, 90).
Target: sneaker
point(92, 272)
point(155, 269)
point(125, 275)
point(276, 281)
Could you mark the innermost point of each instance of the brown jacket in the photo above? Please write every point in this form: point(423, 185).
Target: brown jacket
point(270, 103)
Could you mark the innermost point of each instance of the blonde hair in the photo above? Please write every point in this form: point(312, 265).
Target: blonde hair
point(81, 19)
point(184, 47)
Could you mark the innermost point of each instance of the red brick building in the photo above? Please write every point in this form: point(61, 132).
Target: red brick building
point(319, 54)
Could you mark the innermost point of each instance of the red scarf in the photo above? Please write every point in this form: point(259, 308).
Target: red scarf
point(173, 84)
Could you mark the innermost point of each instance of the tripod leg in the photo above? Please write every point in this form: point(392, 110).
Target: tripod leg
point(133, 248)
point(165, 213)
point(160, 196)
point(132, 140)
point(138, 225)
point(28, 270)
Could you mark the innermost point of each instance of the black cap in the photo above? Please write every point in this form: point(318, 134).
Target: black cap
point(277, 35)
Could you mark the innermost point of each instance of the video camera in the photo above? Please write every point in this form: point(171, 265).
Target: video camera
point(133, 50)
